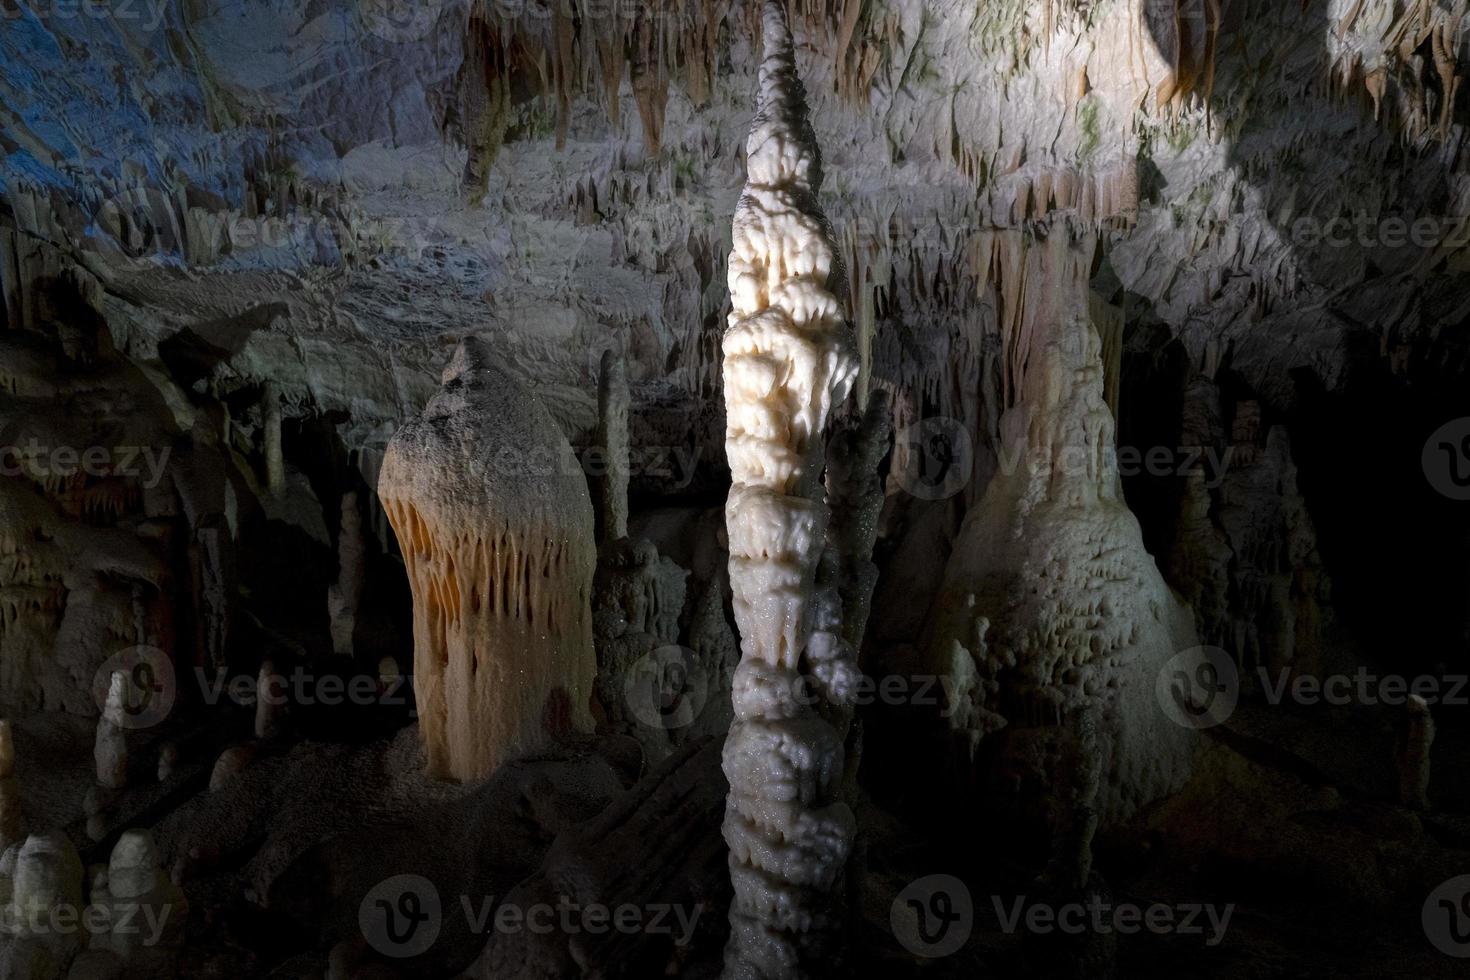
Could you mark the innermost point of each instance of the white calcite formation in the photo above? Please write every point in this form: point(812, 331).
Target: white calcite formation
point(495, 523)
point(1051, 608)
point(110, 751)
point(135, 881)
point(45, 881)
point(788, 360)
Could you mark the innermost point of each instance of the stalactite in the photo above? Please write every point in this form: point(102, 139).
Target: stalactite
point(650, 78)
point(611, 58)
point(563, 66)
point(788, 359)
point(485, 105)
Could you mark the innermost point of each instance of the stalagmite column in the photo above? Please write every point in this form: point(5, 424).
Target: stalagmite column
point(1051, 607)
point(1414, 749)
point(111, 749)
point(788, 358)
point(12, 812)
point(344, 595)
point(275, 461)
point(856, 492)
point(270, 705)
point(612, 440)
point(492, 513)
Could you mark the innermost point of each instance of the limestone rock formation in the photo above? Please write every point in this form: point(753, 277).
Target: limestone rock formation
point(612, 443)
point(1051, 606)
point(111, 750)
point(655, 847)
point(135, 891)
point(495, 524)
point(1244, 553)
point(46, 877)
point(789, 360)
point(12, 807)
point(638, 596)
point(346, 593)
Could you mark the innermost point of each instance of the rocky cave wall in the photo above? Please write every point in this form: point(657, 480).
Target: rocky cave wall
point(271, 293)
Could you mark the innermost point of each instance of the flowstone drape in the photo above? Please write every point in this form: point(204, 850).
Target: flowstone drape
point(788, 359)
point(495, 522)
point(1053, 621)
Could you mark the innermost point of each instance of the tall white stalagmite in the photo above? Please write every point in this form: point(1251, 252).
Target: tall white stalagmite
point(788, 359)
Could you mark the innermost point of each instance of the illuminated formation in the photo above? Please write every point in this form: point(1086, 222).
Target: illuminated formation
point(788, 359)
point(495, 524)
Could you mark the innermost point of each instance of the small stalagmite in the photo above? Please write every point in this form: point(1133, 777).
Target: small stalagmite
point(270, 701)
point(110, 751)
point(275, 460)
point(495, 523)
